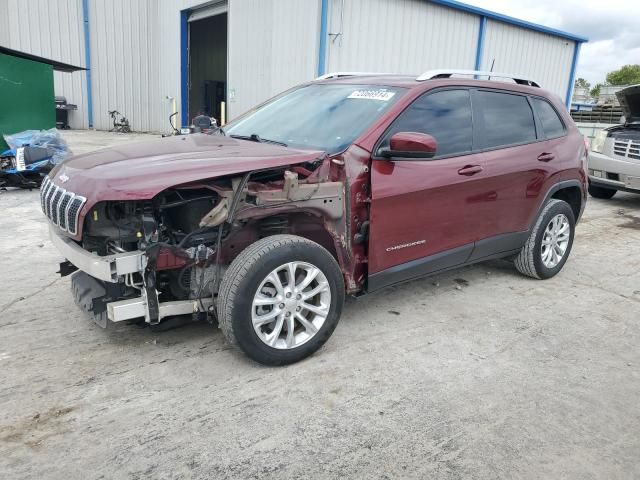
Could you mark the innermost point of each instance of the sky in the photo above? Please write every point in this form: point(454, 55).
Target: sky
point(612, 27)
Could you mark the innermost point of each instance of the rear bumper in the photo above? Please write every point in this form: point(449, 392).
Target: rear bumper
point(108, 268)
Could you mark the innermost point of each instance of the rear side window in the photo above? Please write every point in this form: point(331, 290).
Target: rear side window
point(445, 115)
point(552, 126)
point(507, 119)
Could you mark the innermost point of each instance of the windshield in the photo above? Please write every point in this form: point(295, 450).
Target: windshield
point(320, 116)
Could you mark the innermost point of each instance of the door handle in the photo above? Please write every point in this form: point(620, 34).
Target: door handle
point(546, 157)
point(469, 170)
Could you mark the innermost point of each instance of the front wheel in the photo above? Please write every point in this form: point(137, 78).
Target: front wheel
point(549, 243)
point(281, 299)
point(601, 192)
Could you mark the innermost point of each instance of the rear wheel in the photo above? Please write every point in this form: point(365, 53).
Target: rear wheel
point(601, 192)
point(281, 299)
point(550, 242)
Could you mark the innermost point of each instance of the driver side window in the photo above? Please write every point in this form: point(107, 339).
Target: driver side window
point(445, 115)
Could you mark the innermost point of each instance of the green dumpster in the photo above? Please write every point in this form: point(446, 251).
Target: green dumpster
point(27, 99)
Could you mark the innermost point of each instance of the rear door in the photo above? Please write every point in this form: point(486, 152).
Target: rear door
point(424, 208)
point(516, 159)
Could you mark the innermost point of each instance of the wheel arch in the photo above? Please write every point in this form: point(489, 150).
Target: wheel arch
point(570, 191)
point(302, 223)
point(572, 194)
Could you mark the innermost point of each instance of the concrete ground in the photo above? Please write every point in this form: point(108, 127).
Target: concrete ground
point(479, 373)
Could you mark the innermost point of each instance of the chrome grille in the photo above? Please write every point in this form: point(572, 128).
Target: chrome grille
point(60, 206)
point(627, 148)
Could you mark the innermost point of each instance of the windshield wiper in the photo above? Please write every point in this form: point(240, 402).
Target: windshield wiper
point(254, 137)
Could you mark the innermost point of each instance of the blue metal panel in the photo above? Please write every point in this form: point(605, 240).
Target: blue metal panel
point(480, 47)
point(572, 75)
point(322, 51)
point(510, 20)
point(184, 67)
point(87, 60)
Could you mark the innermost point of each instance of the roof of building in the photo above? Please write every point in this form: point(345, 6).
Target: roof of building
point(509, 20)
point(59, 66)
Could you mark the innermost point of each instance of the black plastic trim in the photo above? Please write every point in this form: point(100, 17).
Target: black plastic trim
point(559, 186)
point(508, 242)
point(66, 268)
point(612, 187)
point(419, 268)
point(499, 246)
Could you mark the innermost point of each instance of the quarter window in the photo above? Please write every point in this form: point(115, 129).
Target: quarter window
point(551, 123)
point(445, 115)
point(507, 119)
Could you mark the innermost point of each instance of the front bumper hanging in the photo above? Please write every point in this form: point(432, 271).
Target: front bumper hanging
point(108, 268)
point(113, 269)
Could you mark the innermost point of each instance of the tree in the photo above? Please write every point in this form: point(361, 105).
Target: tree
point(582, 83)
point(595, 91)
point(627, 75)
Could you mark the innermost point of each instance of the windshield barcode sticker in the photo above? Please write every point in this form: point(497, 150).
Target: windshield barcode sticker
point(382, 95)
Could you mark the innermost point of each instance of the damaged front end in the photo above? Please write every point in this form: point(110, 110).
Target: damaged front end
point(166, 256)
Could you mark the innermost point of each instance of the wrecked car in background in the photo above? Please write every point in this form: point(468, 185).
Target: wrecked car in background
point(345, 185)
point(614, 160)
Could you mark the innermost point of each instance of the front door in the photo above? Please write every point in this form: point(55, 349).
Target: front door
point(425, 215)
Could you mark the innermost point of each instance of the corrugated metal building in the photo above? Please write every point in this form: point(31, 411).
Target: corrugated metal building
point(143, 54)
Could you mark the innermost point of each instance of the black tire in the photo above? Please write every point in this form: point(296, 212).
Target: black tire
point(601, 192)
point(245, 275)
point(529, 260)
point(83, 288)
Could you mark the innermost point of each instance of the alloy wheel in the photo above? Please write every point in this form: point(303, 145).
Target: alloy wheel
point(555, 241)
point(291, 305)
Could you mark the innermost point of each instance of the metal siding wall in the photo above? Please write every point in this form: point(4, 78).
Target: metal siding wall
point(135, 64)
point(5, 38)
point(542, 57)
point(52, 30)
point(273, 45)
point(399, 36)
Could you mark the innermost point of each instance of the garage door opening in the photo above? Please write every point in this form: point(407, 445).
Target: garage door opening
point(208, 66)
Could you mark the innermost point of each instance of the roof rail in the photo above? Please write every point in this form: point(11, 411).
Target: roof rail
point(348, 74)
point(519, 79)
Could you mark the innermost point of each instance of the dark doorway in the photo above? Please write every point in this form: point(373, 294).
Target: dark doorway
point(208, 66)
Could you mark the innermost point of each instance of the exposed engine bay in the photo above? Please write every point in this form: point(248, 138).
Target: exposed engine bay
point(190, 233)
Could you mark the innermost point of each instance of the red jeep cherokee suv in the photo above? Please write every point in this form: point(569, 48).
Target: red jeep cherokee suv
point(344, 185)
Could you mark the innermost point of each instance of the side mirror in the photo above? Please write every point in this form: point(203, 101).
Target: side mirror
point(410, 146)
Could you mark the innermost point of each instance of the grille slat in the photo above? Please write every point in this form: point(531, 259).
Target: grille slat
point(60, 206)
point(47, 200)
point(46, 184)
point(62, 210)
point(54, 204)
point(627, 148)
point(72, 214)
